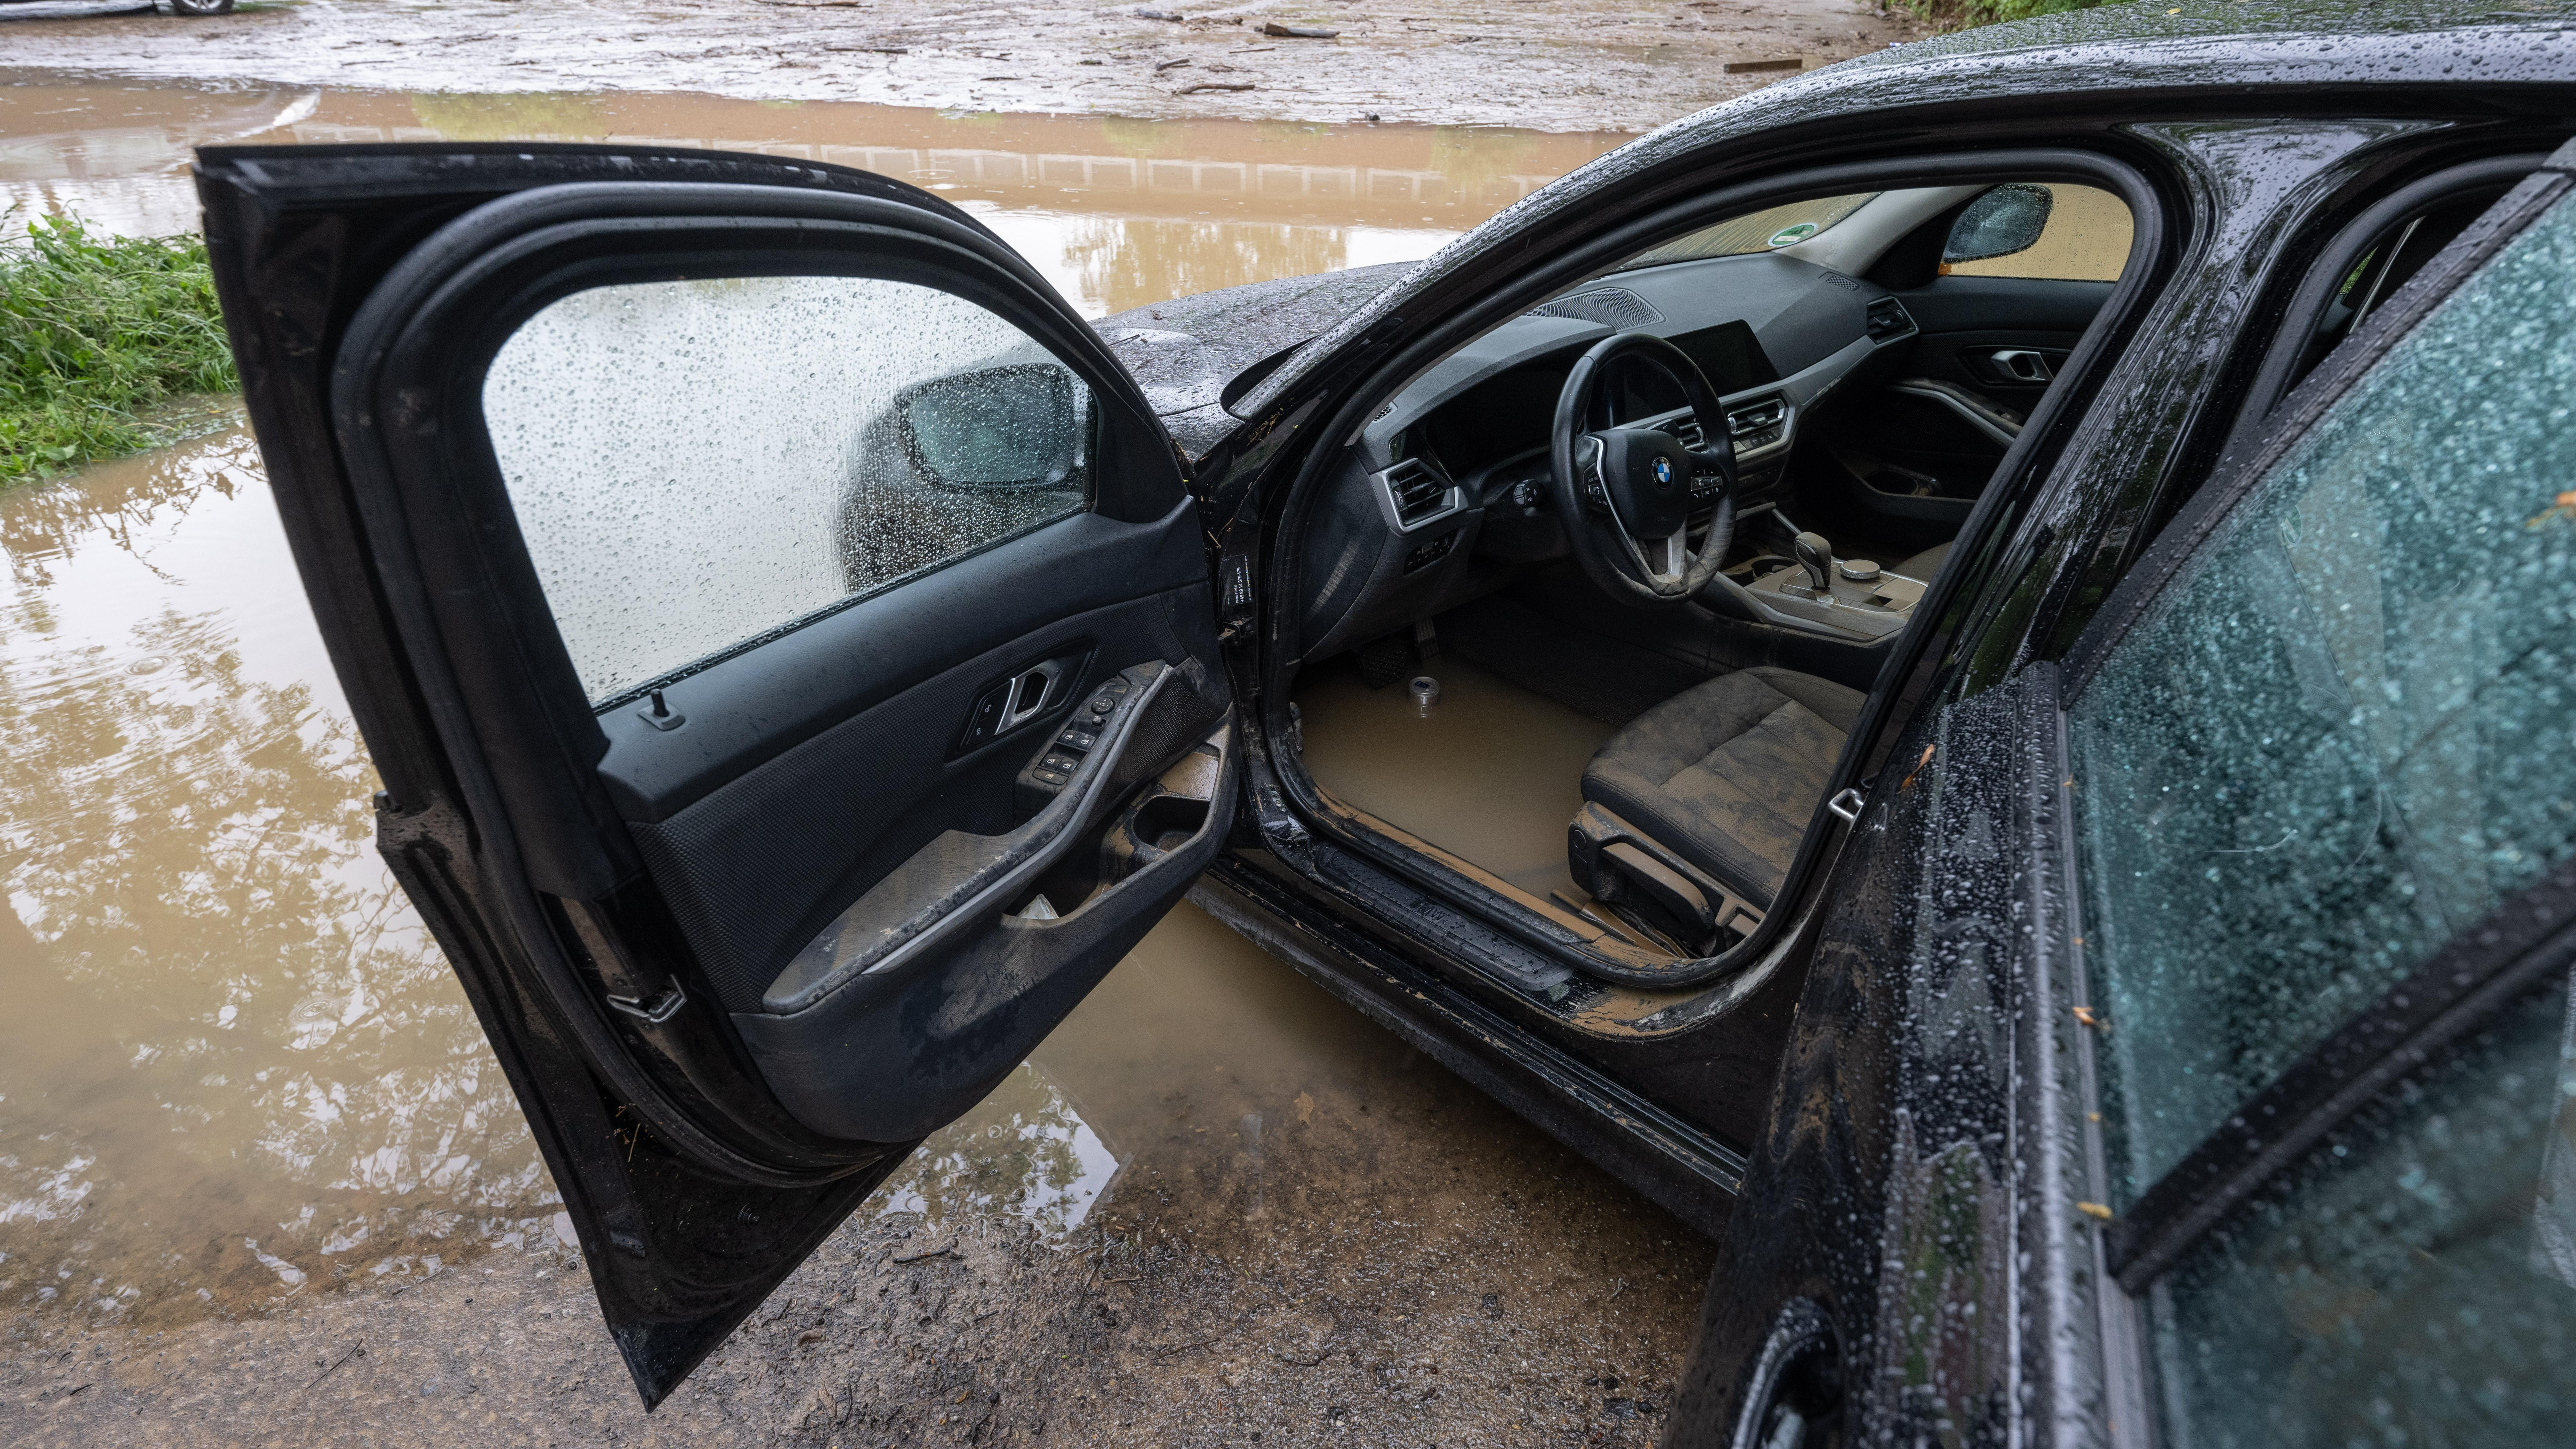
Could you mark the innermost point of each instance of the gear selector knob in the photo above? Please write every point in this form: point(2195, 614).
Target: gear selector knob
point(1817, 557)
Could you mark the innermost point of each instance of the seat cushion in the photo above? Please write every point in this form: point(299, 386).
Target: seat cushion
point(1924, 565)
point(1727, 774)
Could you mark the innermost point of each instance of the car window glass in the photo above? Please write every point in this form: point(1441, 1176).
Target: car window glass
point(2085, 237)
point(2376, 274)
point(2411, 1281)
point(2346, 728)
point(699, 463)
point(1766, 230)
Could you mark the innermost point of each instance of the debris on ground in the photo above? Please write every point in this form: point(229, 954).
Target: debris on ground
point(1576, 65)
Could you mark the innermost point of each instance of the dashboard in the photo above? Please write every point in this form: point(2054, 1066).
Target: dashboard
point(1455, 465)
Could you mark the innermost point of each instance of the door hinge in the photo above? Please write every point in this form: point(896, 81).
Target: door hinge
point(655, 1011)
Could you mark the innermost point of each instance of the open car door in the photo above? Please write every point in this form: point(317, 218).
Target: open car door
point(783, 634)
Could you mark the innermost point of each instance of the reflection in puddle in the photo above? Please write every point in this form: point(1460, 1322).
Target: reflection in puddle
point(233, 1063)
point(1117, 213)
point(1024, 1150)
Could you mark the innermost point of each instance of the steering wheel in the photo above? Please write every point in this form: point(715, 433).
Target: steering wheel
point(1627, 493)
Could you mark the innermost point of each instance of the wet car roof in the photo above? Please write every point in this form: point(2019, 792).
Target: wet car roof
point(2129, 51)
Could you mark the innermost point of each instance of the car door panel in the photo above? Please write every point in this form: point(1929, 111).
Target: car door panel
point(1936, 428)
point(624, 863)
point(747, 709)
point(739, 860)
point(875, 988)
point(1967, 321)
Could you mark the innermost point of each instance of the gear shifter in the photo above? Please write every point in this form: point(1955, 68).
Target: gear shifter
point(1817, 557)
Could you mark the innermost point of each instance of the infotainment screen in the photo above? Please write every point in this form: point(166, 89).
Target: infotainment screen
point(1729, 355)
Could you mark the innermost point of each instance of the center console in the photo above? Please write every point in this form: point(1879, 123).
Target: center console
point(1857, 597)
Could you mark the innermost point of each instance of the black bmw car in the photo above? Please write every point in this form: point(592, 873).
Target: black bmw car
point(1964, 670)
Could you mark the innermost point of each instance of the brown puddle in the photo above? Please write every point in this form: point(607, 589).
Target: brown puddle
point(1117, 212)
point(235, 1070)
point(233, 1066)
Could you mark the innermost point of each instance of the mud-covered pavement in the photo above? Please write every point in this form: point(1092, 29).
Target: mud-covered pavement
point(1551, 65)
point(1315, 1236)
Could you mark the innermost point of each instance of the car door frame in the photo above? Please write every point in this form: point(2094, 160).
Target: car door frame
point(686, 1239)
point(1386, 887)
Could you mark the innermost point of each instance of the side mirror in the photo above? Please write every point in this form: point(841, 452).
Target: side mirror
point(2005, 220)
point(1024, 425)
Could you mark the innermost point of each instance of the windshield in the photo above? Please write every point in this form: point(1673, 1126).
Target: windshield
point(1766, 230)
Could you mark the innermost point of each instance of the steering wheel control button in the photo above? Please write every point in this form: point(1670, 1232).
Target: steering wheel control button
point(1858, 570)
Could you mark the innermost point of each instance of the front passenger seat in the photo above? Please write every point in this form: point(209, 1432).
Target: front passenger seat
point(1727, 774)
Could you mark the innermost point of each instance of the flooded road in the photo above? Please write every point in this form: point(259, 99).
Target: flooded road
point(1116, 213)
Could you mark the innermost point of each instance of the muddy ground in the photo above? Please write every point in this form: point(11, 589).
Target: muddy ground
point(1378, 1331)
point(1377, 1254)
point(1551, 65)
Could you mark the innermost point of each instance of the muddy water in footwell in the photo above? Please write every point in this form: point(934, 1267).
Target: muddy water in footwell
point(1117, 213)
point(235, 1070)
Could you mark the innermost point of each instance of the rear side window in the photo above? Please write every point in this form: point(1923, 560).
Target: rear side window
point(2342, 735)
point(700, 464)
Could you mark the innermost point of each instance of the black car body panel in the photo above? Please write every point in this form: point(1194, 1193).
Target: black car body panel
point(1194, 355)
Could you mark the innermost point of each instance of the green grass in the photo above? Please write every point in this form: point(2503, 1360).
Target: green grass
point(94, 331)
point(1960, 14)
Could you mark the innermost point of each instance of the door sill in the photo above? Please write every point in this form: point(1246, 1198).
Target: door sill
point(1681, 1168)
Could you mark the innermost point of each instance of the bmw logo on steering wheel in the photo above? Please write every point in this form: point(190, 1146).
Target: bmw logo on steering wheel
point(1663, 471)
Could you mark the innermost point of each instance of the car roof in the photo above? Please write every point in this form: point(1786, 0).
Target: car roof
point(2319, 56)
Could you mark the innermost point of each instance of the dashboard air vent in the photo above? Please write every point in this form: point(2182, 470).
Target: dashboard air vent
point(1418, 491)
point(1690, 433)
point(1609, 306)
point(1889, 320)
point(1756, 417)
